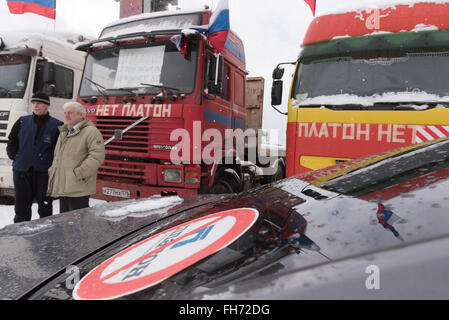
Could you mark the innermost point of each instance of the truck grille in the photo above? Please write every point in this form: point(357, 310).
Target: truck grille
point(4, 117)
point(139, 140)
point(134, 172)
point(135, 140)
point(3, 127)
point(130, 159)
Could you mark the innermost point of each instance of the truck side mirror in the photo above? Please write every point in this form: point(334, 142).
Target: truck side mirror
point(278, 73)
point(48, 75)
point(215, 75)
point(49, 89)
point(276, 93)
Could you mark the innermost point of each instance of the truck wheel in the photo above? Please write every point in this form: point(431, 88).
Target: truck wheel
point(221, 187)
point(225, 184)
point(278, 175)
point(9, 201)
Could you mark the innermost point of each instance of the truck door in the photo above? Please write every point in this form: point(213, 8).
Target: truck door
point(239, 109)
point(218, 110)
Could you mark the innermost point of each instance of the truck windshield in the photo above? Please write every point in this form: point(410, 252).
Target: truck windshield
point(135, 66)
point(14, 71)
point(405, 77)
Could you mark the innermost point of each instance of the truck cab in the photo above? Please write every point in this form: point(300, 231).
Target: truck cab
point(164, 103)
point(31, 62)
point(368, 81)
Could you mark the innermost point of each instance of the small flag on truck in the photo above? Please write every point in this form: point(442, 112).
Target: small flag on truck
point(217, 31)
point(312, 4)
point(46, 8)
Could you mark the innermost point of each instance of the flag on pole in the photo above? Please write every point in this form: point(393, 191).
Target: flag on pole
point(312, 4)
point(46, 8)
point(181, 42)
point(219, 26)
point(217, 31)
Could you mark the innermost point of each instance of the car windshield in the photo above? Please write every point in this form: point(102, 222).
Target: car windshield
point(14, 71)
point(140, 66)
point(399, 168)
point(403, 77)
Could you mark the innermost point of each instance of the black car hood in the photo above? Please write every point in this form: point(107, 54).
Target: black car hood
point(294, 232)
point(31, 252)
point(298, 226)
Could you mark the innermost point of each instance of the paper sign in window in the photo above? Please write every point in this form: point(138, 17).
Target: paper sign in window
point(136, 66)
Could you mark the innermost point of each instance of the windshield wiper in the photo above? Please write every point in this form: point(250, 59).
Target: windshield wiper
point(163, 94)
point(4, 92)
point(99, 87)
point(408, 105)
point(162, 87)
point(130, 90)
point(335, 106)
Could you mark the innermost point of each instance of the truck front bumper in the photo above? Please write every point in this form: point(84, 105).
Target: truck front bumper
point(117, 191)
point(6, 178)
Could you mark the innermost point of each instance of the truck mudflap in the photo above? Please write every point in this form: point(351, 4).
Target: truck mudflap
point(118, 191)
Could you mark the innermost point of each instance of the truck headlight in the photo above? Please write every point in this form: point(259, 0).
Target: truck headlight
point(172, 175)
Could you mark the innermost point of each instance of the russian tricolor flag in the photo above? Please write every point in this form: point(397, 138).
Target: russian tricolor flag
point(46, 8)
point(217, 31)
point(312, 4)
point(387, 218)
point(219, 26)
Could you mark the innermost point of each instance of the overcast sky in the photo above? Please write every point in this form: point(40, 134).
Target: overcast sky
point(272, 30)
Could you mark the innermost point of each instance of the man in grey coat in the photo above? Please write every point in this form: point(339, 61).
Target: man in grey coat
point(79, 153)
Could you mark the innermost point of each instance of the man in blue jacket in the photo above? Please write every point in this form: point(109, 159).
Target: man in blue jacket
point(31, 144)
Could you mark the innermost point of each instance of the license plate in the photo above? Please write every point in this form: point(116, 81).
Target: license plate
point(116, 193)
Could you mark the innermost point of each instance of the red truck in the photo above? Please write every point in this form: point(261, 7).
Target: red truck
point(173, 122)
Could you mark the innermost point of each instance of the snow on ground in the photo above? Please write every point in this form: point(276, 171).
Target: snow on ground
point(7, 212)
point(137, 208)
point(154, 204)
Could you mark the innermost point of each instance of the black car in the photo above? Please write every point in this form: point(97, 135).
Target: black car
point(371, 228)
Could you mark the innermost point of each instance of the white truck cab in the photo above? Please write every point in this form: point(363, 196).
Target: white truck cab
point(31, 62)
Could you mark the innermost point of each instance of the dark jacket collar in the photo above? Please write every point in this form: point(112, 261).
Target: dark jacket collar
point(41, 119)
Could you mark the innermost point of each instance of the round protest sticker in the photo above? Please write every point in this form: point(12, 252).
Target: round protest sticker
point(157, 258)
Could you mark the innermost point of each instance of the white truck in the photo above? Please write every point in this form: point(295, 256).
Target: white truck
point(31, 62)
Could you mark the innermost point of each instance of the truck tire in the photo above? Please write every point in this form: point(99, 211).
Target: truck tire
point(278, 175)
point(8, 201)
point(226, 183)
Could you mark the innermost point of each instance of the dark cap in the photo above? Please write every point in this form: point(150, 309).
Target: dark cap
point(41, 97)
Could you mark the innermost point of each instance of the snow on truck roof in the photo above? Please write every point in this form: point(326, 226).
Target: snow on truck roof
point(144, 16)
point(131, 24)
point(397, 16)
point(182, 20)
point(147, 22)
point(20, 37)
point(344, 7)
